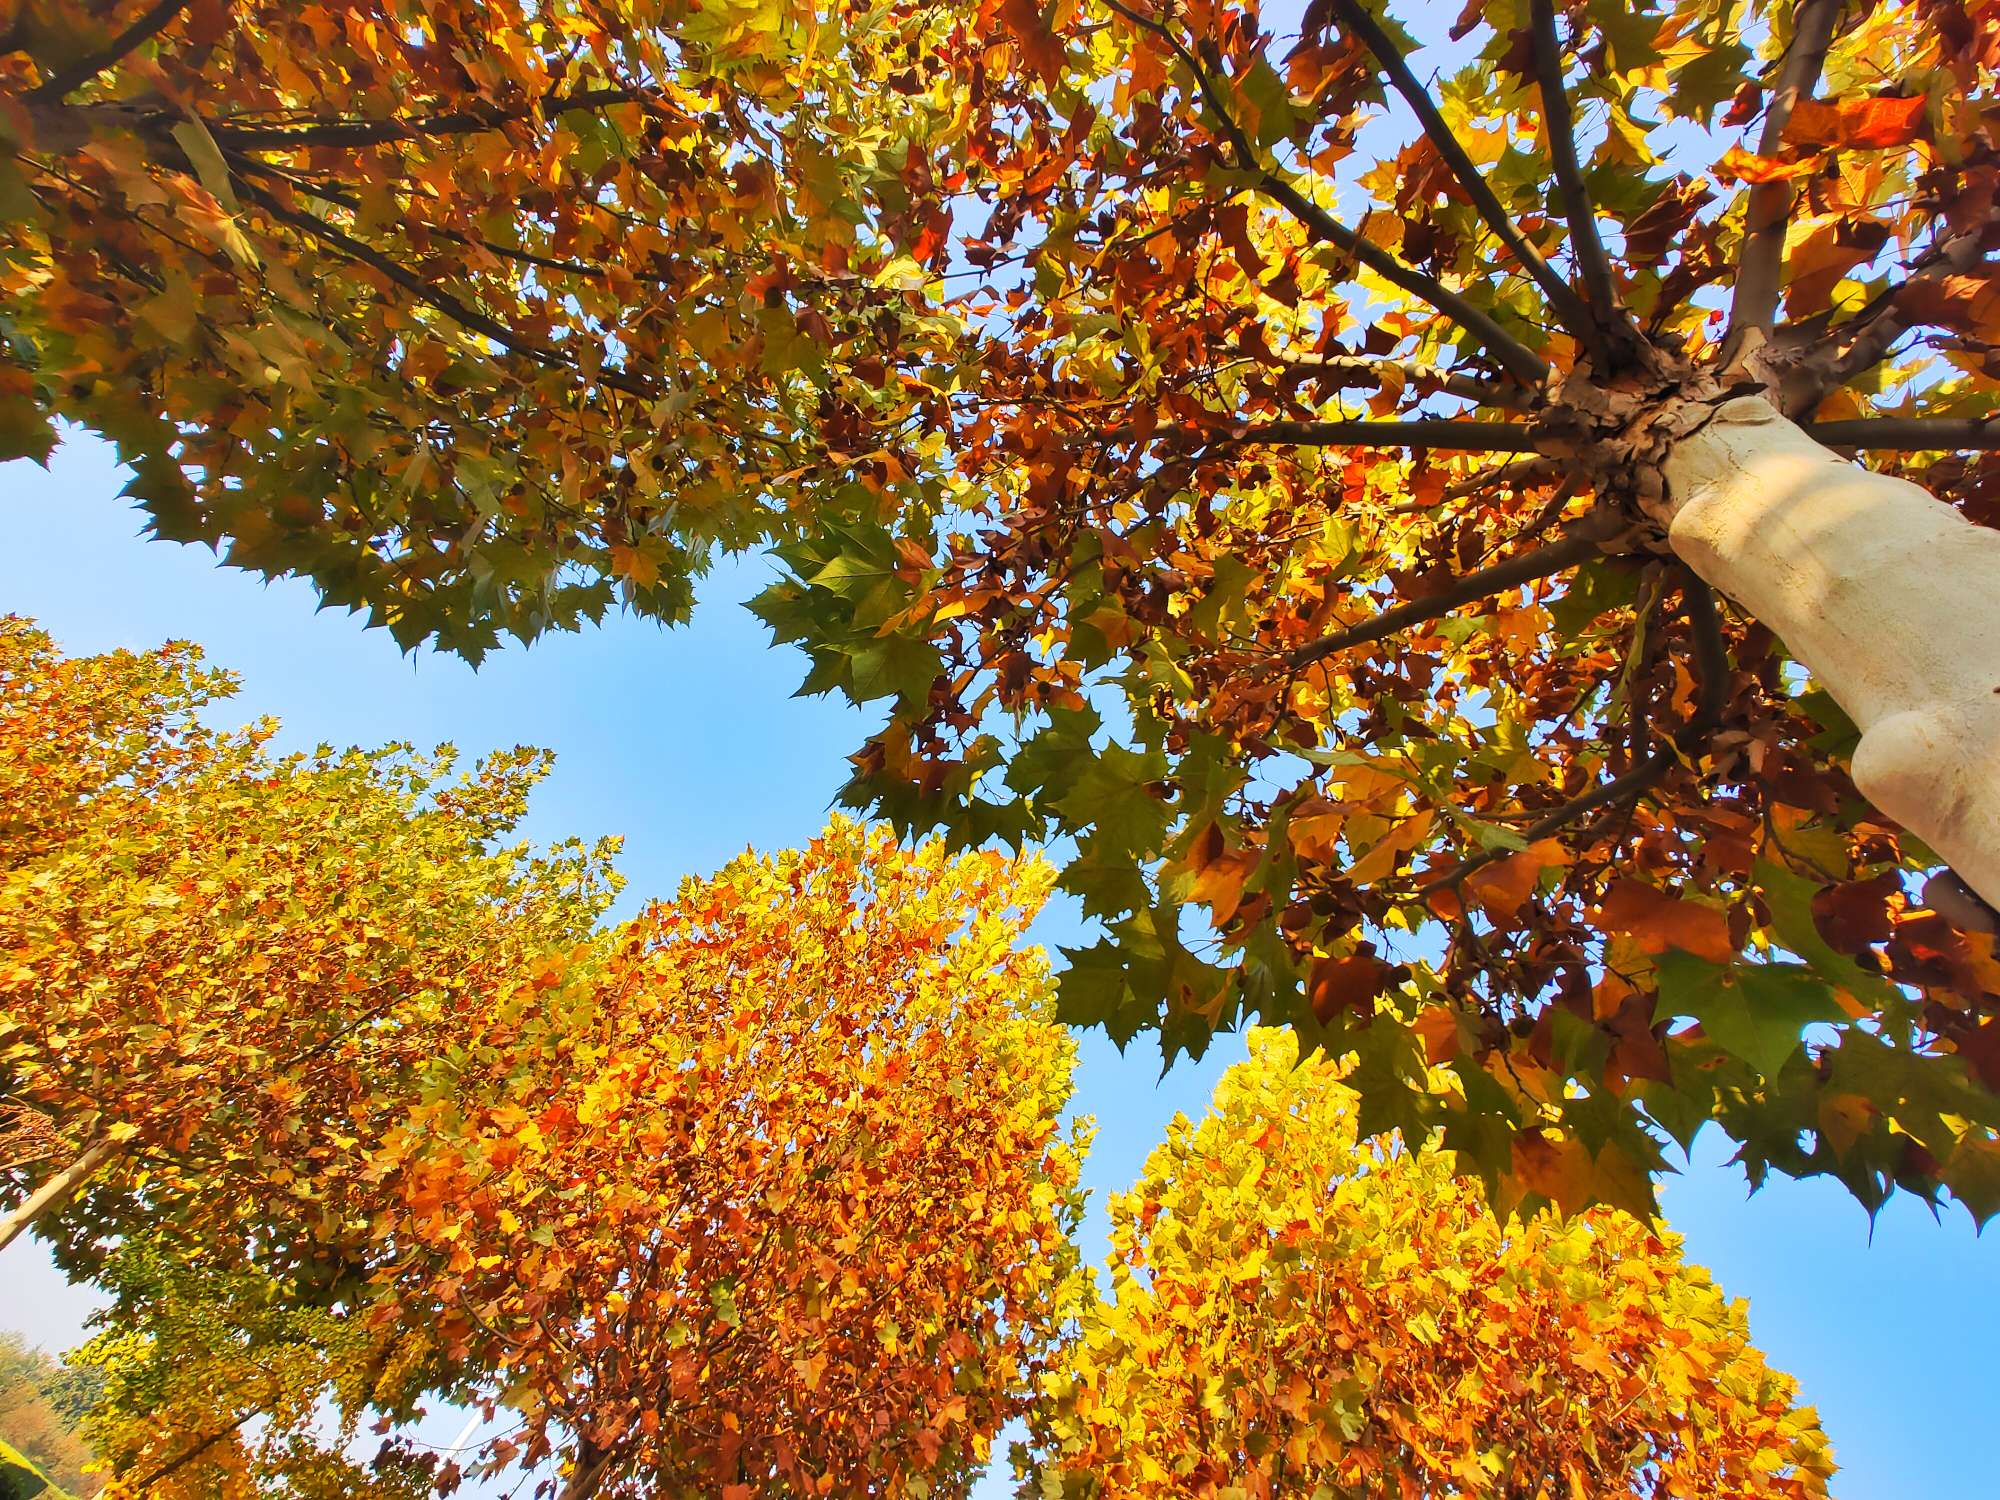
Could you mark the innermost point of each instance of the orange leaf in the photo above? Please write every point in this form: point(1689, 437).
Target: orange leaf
point(1657, 922)
point(1815, 264)
point(1870, 124)
point(1746, 166)
point(1503, 888)
point(1559, 1169)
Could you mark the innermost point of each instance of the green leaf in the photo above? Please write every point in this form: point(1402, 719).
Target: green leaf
point(1754, 1012)
point(25, 430)
point(1789, 897)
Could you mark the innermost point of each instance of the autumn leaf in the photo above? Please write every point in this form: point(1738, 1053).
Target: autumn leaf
point(1872, 123)
point(1287, 446)
point(1028, 22)
point(1350, 984)
point(1747, 166)
point(1657, 922)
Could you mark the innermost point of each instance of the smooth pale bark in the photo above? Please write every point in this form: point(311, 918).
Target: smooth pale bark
point(54, 1193)
point(1889, 598)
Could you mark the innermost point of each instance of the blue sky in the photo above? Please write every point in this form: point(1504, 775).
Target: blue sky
point(690, 744)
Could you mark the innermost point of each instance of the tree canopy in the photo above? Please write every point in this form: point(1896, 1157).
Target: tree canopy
point(1232, 442)
point(1296, 1312)
point(221, 969)
point(481, 315)
point(772, 1204)
point(353, 1106)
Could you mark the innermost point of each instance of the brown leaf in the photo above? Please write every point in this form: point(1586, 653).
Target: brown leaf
point(1857, 913)
point(1657, 921)
point(1349, 984)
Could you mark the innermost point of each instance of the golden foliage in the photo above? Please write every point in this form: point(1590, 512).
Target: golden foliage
point(1296, 1314)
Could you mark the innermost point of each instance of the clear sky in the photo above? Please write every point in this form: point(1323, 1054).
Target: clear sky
point(690, 744)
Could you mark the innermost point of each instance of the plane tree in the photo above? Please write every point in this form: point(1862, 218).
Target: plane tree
point(1481, 535)
point(1481, 532)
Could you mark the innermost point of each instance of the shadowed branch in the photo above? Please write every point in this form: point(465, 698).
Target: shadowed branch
point(1892, 314)
point(1595, 266)
point(1909, 434)
point(1366, 371)
point(465, 316)
point(1581, 542)
point(1415, 432)
point(60, 85)
point(1712, 670)
point(377, 132)
point(1519, 360)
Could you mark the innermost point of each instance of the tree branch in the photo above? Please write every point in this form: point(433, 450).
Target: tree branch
point(340, 198)
point(1581, 541)
point(1910, 434)
point(1761, 265)
point(1571, 309)
point(1521, 471)
point(1712, 660)
point(376, 132)
point(1346, 371)
point(191, 1453)
point(1415, 432)
point(60, 85)
point(1519, 360)
point(1888, 318)
point(459, 312)
point(1598, 280)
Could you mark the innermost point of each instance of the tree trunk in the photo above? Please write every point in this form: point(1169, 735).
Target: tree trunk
point(1889, 598)
point(54, 1193)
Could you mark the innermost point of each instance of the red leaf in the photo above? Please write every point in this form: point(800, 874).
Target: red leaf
point(1350, 984)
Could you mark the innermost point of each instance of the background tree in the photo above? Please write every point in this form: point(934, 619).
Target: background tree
point(219, 1383)
point(776, 1204)
point(220, 968)
point(1406, 506)
point(43, 1402)
point(348, 1105)
point(1294, 1313)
